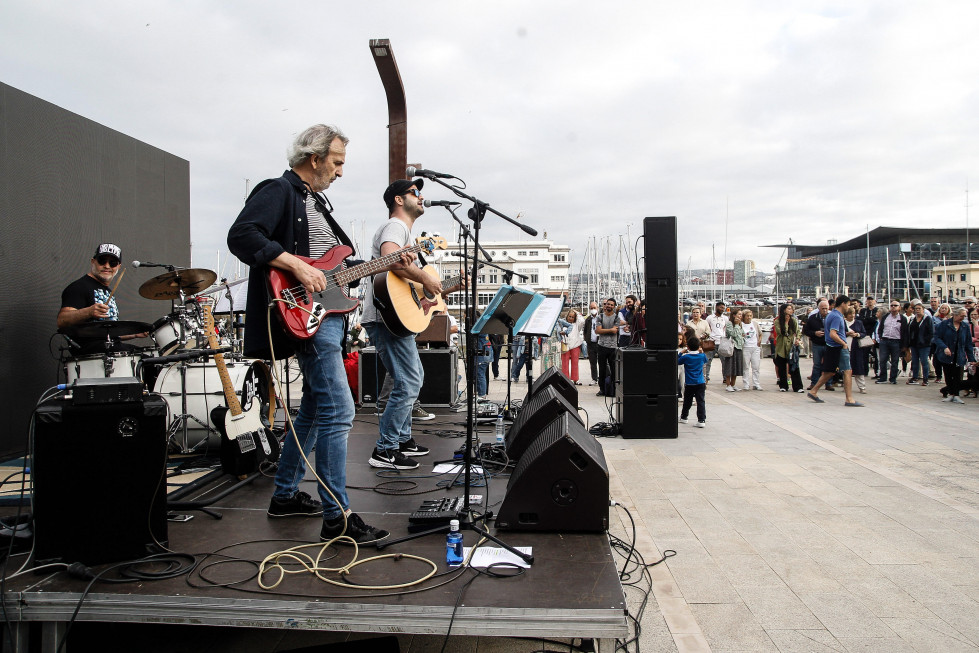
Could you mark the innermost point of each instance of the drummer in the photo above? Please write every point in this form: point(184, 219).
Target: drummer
point(89, 299)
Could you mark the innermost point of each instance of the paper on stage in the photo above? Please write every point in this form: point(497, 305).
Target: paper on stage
point(487, 555)
point(543, 318)
point(449, 468)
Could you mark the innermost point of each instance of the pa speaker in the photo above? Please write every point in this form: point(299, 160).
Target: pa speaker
point(560, 483)
point(659, 235)
point(647, 416)
point(641, 371)
point(555, 378)
point(99, 486)
point(536, 413)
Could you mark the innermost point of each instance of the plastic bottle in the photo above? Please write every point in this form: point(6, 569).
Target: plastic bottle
point(453, 545)
point(500, 431)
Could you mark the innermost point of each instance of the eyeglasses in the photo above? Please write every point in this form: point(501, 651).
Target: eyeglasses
point(414, 191)
point(111, 261)
point(895, 306)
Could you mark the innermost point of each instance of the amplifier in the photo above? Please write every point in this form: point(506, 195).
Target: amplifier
point(436, 333)
point(109, 390)
point(641, 371)
point(441, 385)
point(647, 416)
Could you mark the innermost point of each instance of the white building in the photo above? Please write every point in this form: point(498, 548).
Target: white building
point(546, 265)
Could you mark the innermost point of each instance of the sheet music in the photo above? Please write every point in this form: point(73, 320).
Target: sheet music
point(544, 317)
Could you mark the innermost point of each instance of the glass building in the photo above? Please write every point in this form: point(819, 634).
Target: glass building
point(888, 262)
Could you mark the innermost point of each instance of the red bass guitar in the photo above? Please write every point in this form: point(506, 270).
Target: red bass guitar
point(302, 314)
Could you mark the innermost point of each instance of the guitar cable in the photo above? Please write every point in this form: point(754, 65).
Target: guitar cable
point(297, 555)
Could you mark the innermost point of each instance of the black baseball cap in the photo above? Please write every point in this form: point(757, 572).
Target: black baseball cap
point(400, 187)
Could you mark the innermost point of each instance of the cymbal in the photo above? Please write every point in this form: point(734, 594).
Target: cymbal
point(169, 284)
point(111, 328)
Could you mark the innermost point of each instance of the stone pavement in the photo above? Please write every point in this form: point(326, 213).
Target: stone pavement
point(807, 527)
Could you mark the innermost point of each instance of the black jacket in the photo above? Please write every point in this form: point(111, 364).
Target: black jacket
point(925, 331)
point(272, 221)
point(814, 323)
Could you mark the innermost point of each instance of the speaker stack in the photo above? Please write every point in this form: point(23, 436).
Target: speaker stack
point(646, 378)
point(99, 486)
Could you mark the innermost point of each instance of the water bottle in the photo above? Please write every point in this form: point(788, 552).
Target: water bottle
point(499, 429)
point(453, 545)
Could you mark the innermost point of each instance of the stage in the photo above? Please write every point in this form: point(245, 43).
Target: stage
point(571, 590)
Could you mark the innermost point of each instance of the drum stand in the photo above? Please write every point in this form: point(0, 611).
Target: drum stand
point(179, 422)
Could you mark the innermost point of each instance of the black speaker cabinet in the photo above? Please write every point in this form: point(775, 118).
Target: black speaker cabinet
point(560, 483)
point(99, 486)
point(537, 412)
point(441, 386)
point(647, 416)
point(659, 235)
point(555, 378)
point(437, 332)
point(640, 371)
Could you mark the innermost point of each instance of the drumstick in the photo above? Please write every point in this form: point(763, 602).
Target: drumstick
point(118, 281)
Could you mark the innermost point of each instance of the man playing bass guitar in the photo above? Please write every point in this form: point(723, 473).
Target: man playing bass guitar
point(398, 353)
point(283, 219)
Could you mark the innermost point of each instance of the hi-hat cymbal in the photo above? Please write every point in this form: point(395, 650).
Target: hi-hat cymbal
point(169, 284)
point(111, 328)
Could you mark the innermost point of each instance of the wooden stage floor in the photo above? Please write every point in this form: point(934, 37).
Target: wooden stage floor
point(572, 589)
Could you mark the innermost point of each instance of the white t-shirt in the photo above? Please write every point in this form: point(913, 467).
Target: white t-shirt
point(394, 231)
point(717, 325)
point(750, 334)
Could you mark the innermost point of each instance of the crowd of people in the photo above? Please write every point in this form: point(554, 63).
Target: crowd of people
point(849, 342)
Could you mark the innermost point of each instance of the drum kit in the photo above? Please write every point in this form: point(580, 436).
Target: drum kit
point(178, 365)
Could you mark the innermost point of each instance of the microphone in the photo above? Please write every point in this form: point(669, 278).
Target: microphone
point(142, 264)
point(412, 171)
point(440, 202)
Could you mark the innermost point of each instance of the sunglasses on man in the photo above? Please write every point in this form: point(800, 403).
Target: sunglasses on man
point(111, 261)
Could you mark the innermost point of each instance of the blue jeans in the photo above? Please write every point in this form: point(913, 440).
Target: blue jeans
point(325, 417)
point(400, 358)
point(817, 362)
point(919, 362)
point(890, 352)
point(482, 369)
point(522, 359)
point(710, 359)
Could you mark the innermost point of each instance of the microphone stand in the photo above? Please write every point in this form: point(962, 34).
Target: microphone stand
point(468, 520)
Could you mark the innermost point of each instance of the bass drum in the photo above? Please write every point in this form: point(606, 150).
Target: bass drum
point(204, 389)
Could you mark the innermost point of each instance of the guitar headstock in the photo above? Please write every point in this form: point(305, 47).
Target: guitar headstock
point(432, 243)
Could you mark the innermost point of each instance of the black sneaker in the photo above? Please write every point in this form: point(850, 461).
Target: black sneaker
point(356, 528)
point(391, 460)
point(299, 505)
point(412, 448)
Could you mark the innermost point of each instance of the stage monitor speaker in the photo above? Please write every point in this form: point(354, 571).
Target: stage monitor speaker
point(441, 386)
point(536, 413)
point(641, 371)
point(437, 332)
point(659, 235)
point(555, 378)
point(647, 416)
point(99, 480)
point(560, 484)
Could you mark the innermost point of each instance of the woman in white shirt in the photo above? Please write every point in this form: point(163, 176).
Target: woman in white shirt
point(752, 351)
point(572, 331)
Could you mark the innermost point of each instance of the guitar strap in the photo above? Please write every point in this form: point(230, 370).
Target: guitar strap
point(328, 214)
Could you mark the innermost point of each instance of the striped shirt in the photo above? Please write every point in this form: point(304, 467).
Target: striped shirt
point(321, 236)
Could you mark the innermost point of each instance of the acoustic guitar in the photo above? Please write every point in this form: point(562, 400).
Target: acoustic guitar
point(404, 305)
point(301, 314)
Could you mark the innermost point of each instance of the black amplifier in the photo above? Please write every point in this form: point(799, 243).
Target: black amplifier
point(110, 390)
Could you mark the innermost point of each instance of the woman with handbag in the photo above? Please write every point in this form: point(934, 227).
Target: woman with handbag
point(787, 333)
point(859, 345)
point(731, 350)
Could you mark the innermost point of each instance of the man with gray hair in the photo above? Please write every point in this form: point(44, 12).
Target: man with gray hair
point(286, 222)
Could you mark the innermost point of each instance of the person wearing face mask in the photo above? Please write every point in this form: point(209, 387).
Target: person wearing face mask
point(591, 338)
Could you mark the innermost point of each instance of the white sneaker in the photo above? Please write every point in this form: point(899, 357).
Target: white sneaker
point(683, 421)
point(947, 399)
point(757, 387)
point(729, 388)
point(701, 425)
point(956, 400)
point(746, 387)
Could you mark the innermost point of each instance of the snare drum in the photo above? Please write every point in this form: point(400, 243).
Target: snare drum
point(102, 366)
point(204, 389)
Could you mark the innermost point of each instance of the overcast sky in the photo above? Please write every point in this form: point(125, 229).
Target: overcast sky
point(805, 120)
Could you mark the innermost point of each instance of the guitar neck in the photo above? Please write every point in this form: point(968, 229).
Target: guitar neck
point(230, 396)
point(374, 266)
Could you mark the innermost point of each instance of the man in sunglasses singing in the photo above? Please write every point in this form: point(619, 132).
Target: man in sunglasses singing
point(88, 299)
